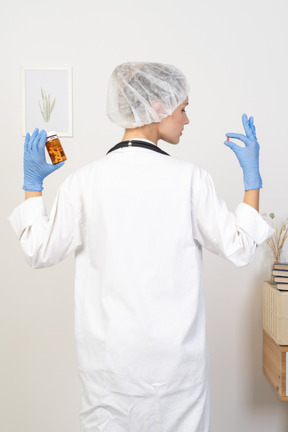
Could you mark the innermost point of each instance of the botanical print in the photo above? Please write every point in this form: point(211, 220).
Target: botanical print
point(47, 100)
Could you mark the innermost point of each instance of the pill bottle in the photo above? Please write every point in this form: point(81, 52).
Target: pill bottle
point(55, 148)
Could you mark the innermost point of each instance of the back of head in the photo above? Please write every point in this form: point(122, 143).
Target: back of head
point(144, 93)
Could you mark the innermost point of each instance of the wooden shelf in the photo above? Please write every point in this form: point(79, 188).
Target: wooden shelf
point(274, 363)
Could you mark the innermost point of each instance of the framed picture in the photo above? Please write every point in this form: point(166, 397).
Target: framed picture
point(47, 100)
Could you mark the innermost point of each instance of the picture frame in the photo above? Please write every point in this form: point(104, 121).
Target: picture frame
point(47, 100)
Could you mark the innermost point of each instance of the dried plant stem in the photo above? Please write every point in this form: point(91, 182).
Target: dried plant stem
point(47, 108)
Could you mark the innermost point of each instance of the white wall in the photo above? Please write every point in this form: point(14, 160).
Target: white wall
point(234, 54)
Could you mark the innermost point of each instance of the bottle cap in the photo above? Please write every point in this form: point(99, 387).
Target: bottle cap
point(51, 133)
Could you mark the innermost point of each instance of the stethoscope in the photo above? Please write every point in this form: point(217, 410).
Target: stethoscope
point(138, 143)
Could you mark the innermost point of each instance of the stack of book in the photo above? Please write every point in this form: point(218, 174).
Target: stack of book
point(280, 276)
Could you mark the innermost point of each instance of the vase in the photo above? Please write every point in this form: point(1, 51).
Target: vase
point(277, 258)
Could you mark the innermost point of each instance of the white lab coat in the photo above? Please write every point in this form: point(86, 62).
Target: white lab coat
point(137, 221)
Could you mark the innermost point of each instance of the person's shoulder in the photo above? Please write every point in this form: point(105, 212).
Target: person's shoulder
point(85, 170)
point(78, 178)
point(82, 175)
point(195, 170)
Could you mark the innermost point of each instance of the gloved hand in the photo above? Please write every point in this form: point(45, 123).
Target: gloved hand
point(248, 156)
point(35, 166)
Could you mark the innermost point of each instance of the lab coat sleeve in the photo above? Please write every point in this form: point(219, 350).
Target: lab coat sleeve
point(234, 236)
point(46, 240)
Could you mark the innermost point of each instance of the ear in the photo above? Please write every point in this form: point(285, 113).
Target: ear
point(157, 107)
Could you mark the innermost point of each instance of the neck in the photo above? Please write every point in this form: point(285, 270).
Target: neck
point(148, 132)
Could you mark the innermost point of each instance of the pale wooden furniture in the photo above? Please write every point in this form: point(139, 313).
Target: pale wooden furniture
point(275, 338)
point(275, 313)
point(275, 365)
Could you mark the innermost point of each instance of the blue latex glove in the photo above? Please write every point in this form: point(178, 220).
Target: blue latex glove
point(35, 166)
point(247, 156)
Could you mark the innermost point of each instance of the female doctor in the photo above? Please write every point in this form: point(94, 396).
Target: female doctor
point(137, 220)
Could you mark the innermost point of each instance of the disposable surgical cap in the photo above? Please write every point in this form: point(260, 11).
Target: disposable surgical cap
point(143, 93)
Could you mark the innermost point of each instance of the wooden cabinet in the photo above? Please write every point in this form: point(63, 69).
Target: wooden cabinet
point(275, 338)
point(275, 365)
point(275, 313)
